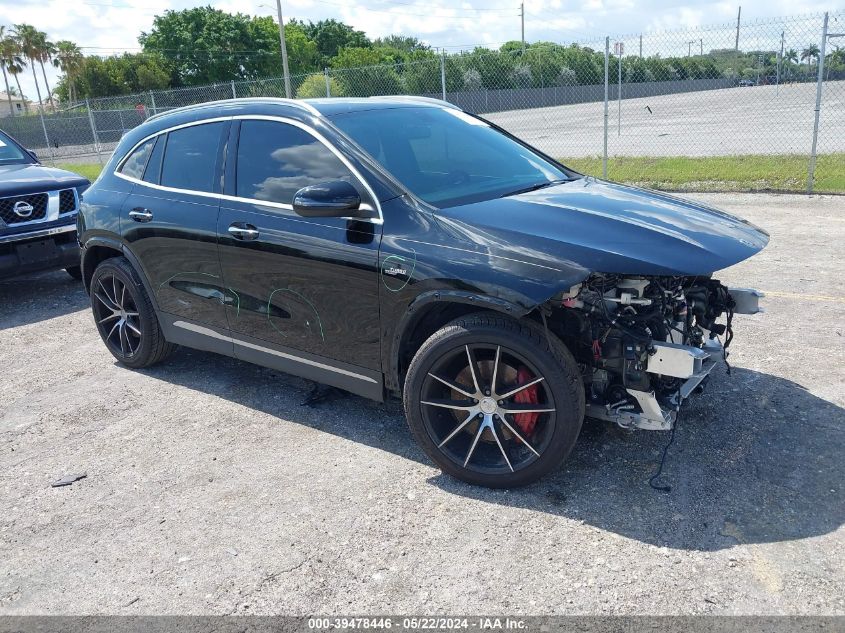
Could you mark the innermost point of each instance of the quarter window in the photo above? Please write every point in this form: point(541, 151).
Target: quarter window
point(153, 170)
point(190, 157)
point(275, 160)
point(134, 166)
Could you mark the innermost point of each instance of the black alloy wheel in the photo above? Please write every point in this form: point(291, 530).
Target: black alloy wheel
point(492, 403)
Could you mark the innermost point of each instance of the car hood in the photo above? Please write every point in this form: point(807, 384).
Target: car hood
point(606, 227)
point(17, 180)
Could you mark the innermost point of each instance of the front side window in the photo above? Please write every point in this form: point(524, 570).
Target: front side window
point(134, 165)
point(445, 156)
point(275, 160)
point(10, 153)
point(190, 157)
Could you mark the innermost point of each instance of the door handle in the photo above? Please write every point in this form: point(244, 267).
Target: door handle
point(243, 231)
point(140, 214)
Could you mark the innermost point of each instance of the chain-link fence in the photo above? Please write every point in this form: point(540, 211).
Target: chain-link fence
point(750, 106)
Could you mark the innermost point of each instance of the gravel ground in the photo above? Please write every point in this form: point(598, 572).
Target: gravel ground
point(211, 489)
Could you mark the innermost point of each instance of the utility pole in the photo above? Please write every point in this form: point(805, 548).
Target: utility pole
point(701, 44)
point(284, 48)
point(738, 15)
point(780, 61)
point(689, 48)
point(522, 18)
point(641, 45)
point(606, 72)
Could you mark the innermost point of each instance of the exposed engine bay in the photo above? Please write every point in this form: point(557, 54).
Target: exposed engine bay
point(645, 343)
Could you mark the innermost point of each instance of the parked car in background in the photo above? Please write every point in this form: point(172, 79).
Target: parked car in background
point(403, 246)
point(38, 209)
point(746, 83)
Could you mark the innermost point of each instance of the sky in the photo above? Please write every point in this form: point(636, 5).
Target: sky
point(113, 26)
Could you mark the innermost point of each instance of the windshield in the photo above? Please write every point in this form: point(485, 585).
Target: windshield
point(447, 157)
point(10, 153)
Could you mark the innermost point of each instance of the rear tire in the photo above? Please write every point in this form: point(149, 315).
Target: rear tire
point(125, 317)
point(75, 272)
point(467, 391)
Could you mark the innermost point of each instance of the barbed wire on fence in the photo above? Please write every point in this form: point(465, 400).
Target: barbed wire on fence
point(717, 92)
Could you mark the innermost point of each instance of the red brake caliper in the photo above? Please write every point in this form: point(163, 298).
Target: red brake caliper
point(526, 421)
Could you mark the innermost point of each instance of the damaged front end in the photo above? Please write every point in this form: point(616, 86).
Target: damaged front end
point(646, 343)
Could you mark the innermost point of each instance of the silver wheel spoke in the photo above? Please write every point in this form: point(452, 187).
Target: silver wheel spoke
point(105, 299)
point(481, 428)
point(453, 385)
point(501, 448)
point(114, 290)
point(458, 429)
point(496, 371)
point(121, 335)
point(472, 370)
point(108, 318)
point(132, 314)
point(133, 328)
point(114, 327)
point(520, 388)
point(123, 297)
point(449, 404)
point(519, 436)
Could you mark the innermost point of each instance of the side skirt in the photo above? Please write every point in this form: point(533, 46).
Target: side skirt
point(357, 380)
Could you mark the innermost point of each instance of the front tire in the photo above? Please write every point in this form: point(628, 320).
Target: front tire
point(493, 401)
point(125, 317)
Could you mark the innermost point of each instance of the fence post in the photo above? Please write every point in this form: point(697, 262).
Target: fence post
point(234, 94)
point(94, 130)
point(619, 96)
point(152, 102)
point(46, 137)
point(606, 73)
point(443, 72)
point(811, 171)
point(328, 85)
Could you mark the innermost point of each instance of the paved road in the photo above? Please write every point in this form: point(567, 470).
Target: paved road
point(733, 121)
point(210, 489)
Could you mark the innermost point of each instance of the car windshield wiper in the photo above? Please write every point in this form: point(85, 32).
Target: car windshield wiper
point(535, 187)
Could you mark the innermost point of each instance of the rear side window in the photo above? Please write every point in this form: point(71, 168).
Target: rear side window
point(275, 160)
point(134, 165)
point(153, 170)
point(190, 157)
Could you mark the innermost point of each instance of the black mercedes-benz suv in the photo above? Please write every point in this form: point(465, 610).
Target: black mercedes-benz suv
point(402, 246)
point(38, 207)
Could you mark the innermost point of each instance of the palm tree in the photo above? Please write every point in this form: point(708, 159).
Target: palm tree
point(11, 62)
point(790, 57)
point(809, 53)
point(29, 41)
point(3, 53)
point(46, 50)
point(69, 59)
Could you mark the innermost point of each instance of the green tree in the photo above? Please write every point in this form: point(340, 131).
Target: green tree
point(331, 36)
point(404, 43)
point(29, 42)
point(69, 59)
point(11, 63)
point(812, 51)
point(314, 86)
point(205, 45)
point(366, 72)
point(45, 51)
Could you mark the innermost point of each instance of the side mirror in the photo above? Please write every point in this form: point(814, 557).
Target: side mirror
point(33, 154)
point(332, 199)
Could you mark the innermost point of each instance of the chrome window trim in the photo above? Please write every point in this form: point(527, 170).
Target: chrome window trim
point(265, 203)
point(296, 103)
